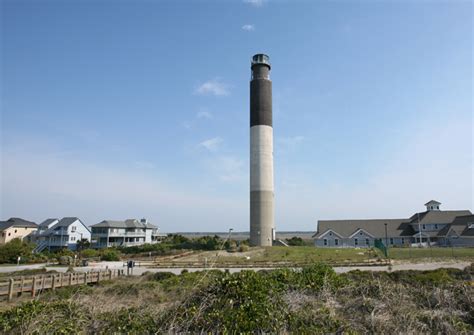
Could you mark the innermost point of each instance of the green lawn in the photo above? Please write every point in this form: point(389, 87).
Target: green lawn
point(439, 253)
point(304, 254)
point(308, 254)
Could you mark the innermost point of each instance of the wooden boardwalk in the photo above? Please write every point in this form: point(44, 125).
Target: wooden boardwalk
point(14, 287)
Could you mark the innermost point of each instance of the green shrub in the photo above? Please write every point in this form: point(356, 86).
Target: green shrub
point(239, 303)
point(295, 241)
point(68, 318)
point(13, 318)
point(243, 248)
point(159, 276)
point(89, 253)
point(317, 276)
point(10, 251)
point(110, 255)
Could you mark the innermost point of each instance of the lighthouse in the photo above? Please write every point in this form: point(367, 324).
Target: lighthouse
point(262, 226)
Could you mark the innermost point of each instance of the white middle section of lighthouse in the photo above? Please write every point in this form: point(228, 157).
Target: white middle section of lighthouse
point(261, 158)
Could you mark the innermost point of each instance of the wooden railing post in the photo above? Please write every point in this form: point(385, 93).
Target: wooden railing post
point(98, 276)
point(110, 274)
point(61, 279)
point(10, 289)
point(33, 288)
point(53, 282)
point(70, 279)
point(21, 284)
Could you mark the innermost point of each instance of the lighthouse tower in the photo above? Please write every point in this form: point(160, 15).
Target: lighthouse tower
point(262, 227)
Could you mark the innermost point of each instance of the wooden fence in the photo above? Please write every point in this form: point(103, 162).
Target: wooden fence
point(13, 287)
point(259, 264)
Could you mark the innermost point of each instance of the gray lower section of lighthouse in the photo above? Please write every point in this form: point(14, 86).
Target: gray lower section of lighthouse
point(262, 225)
point(261, 218)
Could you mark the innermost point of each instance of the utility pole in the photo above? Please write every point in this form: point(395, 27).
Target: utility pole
point(419, 229)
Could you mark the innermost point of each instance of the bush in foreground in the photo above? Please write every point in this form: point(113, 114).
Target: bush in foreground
point(314, 300)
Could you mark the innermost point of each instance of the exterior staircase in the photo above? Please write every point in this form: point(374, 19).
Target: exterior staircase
point(40, 247)
point(280, 242)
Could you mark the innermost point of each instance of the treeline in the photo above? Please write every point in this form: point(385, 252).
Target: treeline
point(172, 244)
point(177, 242)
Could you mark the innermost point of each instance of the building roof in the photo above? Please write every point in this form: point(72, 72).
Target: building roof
point(433, 202)
point(376, 227)
point(461, 225)
point(454, 220)
point(129, 223)
point(17, 222)
point(440, 217)
point(47, 222)
point(66, 222)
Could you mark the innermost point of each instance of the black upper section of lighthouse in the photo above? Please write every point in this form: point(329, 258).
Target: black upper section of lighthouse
point(260, 92)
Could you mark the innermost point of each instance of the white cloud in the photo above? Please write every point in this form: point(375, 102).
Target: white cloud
point(428, 163)
point(54, 184)
point(248, 27)
point(213, 87)
point(212, 144)
point(256, 3)
point(204, 115)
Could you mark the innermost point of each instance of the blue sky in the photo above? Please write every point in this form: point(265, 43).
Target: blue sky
point(120, 109)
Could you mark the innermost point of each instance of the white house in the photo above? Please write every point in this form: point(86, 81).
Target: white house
point(56, 234)
point(131, 232)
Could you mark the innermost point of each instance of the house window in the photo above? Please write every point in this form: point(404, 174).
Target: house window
point(73, 229)
point(330, 234)
point(367, 241)
point(9, 234)
point(436, 226)
point(437, 207)
point(356, 241)
point(360, 233)
point(431, 207)
point(15, 230)
point(403, 240)
point(336, 241)
point(391, 241)
point(325, 242)
point(423, 227)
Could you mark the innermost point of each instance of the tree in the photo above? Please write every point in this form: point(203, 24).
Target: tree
point(83, 244)
point(10, 251)
point(295, 241)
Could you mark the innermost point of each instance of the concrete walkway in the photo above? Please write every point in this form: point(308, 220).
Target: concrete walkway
point(139, 270)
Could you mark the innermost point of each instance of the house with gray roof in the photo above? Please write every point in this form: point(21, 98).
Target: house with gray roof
point(54, 234)
point(431, 227)
point(131, 232)
point(16, 228)
point(460, 232)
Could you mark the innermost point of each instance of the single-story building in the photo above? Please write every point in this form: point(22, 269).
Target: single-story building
point(431, 227)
